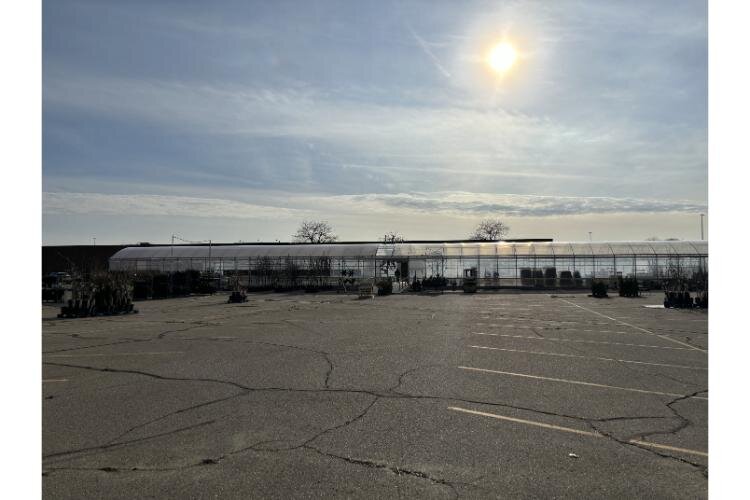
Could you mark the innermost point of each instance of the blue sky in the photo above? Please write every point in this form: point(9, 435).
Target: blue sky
point(236, 120)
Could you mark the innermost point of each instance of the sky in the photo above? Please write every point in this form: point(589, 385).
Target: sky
point(236, 120)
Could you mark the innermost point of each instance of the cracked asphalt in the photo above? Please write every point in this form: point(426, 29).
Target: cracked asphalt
point(323, 395)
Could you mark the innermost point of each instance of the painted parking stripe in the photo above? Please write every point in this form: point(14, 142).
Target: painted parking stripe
point(559, 329)
point(575, 431)
point(559, 339)
point(112, 354)
point(52, 380)
point(637, 327)
point(579, 382)
point(579, 356)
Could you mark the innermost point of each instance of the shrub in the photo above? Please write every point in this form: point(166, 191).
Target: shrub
point(526, 277)
point(161, 288)
point(385, 287)
point(550, 277)
point(538, 278)
point(141, 289)
point(598, 289)
point(435, 282)
point(566, 279)
point(628, 287)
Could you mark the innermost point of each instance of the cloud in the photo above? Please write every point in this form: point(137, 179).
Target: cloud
point(160, 205)
point(426, 49)
point(511, 205)
point(350, 99)
point(246, 123)
point(454, 204)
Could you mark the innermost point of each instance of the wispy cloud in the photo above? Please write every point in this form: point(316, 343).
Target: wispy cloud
point(484, 144)
point(428, 52)
point(456, 204)
point(512, 205)
point(150, 205)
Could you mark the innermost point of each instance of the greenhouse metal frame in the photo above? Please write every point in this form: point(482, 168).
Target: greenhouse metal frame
point(497, 264)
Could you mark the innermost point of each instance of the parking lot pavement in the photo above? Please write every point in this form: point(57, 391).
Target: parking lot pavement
point(324, 395)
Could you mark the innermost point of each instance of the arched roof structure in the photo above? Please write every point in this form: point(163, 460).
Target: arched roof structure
point(555, 249)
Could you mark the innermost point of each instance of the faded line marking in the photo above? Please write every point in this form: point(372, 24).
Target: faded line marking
point(557, 329)
point(589, 357)
point(574, 431)
point(665, 447)
point(559, 339)
point(636, 327)
point(527, 422)
point(50, 380)
point(579, 382)
point(113, 354)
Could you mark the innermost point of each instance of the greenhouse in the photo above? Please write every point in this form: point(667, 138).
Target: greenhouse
point(497, 264)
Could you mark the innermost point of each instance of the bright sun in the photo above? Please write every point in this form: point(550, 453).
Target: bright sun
point(502, 57)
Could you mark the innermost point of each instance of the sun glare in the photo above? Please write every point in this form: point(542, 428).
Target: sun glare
point(502, 57)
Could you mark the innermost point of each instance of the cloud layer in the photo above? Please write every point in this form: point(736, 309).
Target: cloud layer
point(457, 204)
point(159, 205)
point(514, 205)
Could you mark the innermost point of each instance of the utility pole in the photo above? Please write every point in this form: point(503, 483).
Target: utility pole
point(702, 215)
point(95, 240)
point(171, 248)
point(590, 237)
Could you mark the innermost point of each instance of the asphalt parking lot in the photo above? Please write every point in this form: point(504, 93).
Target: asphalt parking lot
point(324, 395)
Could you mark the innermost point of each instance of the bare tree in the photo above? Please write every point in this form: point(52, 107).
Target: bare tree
point(490, 230)
point(393, 237)
point(311, 231)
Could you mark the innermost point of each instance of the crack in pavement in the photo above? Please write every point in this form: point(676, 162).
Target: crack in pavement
point(703, 469)
point(103, 447)
point(395, 469)
point(167, 332)
point(176, 412)
point(348, 422)
point(324, 354)
point(409, 372)
point(684, 422)
point(256, 446)
point(128, 341)
point(390, 393)
point(392, 468)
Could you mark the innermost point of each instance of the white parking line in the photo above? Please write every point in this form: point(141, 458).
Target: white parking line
point(559, 329)
point(112, 354)
point(559, 339)
point(589, 357)
point(50, 380)
point(578, 382)
point(575, 431)
point(636, 327)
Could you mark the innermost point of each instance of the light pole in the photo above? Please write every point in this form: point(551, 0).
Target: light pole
point(702, 215)
point(590, 237)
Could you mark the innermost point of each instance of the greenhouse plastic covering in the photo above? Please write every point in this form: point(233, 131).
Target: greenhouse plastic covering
point(428, 250)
